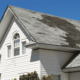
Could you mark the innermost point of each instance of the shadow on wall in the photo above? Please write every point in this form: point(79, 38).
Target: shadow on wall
point(34, 56)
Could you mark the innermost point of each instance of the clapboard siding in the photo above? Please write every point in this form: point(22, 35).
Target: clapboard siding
point(65, 76)
point(51, 61)
point(13, 67)
point(74, 76)
point(63, 57)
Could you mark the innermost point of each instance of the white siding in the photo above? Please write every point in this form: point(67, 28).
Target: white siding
point(51, 61)
point(13, 67)
point(65, 76)
point(63, 57)
point(74, 76)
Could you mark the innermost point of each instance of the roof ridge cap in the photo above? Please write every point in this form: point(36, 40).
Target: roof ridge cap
point(44, 13)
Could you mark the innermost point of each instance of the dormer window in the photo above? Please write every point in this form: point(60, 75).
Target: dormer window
point(16, 47)
point(16, 44)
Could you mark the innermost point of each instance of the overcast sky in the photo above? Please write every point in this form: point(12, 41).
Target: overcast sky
point(62, 8)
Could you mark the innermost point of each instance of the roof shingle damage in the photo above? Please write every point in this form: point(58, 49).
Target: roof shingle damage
point(50, 29)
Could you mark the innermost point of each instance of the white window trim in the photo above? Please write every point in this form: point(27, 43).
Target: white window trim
point(15, 32)
point(6, 50)
point(12, 46)
point(57, 73)
point(23, 40)
point(12, 49)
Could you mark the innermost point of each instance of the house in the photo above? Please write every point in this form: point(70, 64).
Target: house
point(32, 41)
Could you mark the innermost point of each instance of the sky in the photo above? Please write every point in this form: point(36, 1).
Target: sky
point(62, 8)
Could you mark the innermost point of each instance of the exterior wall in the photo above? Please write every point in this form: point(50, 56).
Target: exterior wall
point(43, 61)
point(74, 76)
point(65, 76)
point(51, 62)
point(18, 65)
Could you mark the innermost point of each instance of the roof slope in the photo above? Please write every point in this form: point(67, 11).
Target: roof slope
point(74, 63)
point(50, 29)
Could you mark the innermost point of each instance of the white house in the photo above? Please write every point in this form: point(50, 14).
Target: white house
point(32, 41)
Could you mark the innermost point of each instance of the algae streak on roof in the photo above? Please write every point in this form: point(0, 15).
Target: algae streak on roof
point(50, 29)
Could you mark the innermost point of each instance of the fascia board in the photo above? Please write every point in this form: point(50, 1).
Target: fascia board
point(52, 47)
point(17, 18)
point(5, 22)
point(73, 69)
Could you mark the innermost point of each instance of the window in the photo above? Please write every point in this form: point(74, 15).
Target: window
point(55, 77)
point(0, 76)
point(0, 58)
point(23, 48)
point(9, 51)
point(16, 44)
point(17, 48)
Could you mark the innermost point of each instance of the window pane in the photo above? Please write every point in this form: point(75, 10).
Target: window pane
point(9, 51)
point(16, 36)
point(0, 58)
point(23, 48)
point(17, 43)
point(16, 52)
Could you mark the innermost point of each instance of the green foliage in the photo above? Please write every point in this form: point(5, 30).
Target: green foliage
point(15, 79)
point(30, 76)
point(34, 76)
point(46, 77)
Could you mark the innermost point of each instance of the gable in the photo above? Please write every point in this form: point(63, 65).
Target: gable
point(12, 29)
point(5, 22)
point(49, 29)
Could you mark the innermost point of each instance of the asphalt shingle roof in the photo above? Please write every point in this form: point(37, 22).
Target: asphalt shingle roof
point(75, 62)
point(50, 29)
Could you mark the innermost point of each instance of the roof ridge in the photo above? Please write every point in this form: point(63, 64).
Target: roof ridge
point(45, 28)
point(45, 13)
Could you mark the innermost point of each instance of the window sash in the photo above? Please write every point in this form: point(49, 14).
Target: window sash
point(16, 51)
point(9, 51)
point(16, 43)
point(23, 48)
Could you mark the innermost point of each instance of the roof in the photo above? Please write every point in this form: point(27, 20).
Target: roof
point(75, 62)
point(49, 29)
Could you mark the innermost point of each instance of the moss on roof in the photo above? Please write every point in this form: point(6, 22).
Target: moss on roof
point(50, 29)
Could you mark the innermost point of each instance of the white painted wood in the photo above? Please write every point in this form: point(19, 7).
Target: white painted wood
point(74, 76)
point(51, 61)
point(42, 61)
point(12, 67)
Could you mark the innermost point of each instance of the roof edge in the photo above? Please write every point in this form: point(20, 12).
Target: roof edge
point(33, 39)
point(71, 59)
point(4, 13)
point(35, 45)
point(72, 69)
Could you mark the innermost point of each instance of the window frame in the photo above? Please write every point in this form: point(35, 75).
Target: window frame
point(18, 47)
point(22, 48)
point(57, 73)
point(12, 46)
point(8, 51)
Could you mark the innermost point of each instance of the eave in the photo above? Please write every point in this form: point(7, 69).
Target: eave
point(5, 22)
point(72, 69)
point(35, 45)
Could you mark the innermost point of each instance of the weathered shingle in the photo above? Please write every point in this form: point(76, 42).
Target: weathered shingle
point(74, 63)
point(50, 29)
